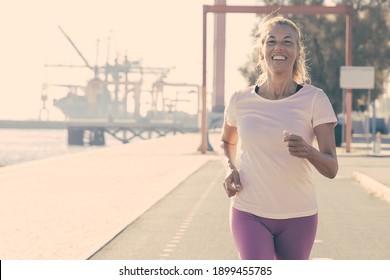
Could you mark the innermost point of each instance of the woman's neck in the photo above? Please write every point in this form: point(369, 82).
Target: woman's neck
point(278, 88)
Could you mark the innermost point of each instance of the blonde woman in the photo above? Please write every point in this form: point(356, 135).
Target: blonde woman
point(274, 208)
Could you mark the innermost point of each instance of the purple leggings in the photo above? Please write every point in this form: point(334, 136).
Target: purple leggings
point(258, 238)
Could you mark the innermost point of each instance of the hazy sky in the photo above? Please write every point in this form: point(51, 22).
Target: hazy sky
point(162, 33)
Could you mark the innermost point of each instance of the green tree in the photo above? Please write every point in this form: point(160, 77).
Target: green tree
point(324, 37)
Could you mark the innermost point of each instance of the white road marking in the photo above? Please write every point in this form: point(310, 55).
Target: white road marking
point(186, 223)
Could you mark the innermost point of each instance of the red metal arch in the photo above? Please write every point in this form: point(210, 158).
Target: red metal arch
point(305, 10)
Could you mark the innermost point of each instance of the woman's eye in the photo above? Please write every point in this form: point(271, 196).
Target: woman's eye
point(288, 43)
point(271, 42)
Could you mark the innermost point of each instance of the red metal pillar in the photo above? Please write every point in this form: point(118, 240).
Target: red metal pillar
point(348, 94)
point(203, 145)
point(218, 95)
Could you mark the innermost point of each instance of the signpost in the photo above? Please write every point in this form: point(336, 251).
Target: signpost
point(357, 77)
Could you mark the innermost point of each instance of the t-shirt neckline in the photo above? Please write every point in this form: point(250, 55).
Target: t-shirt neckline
point(278, 100)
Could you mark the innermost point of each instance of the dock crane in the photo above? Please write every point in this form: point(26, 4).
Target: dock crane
point(106, 94)
point(101, 108)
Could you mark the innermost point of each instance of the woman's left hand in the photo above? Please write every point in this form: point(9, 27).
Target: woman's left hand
point(297, 146)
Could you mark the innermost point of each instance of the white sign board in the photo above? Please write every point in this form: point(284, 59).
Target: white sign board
point(357, 77)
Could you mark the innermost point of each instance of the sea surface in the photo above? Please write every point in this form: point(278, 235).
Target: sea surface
point(22, 145)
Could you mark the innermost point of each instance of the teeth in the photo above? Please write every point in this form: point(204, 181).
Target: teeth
point(279, 57)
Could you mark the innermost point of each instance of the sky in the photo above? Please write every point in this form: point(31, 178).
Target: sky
point(159, 33)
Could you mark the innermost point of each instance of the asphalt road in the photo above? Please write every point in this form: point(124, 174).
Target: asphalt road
point(191, 223)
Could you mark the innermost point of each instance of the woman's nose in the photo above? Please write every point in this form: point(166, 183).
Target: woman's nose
point(279, 45)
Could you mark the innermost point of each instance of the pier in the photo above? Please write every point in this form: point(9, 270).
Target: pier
point(32, 124)
point(93, 131)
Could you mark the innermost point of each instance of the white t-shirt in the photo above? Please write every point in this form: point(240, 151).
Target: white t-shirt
point(275, 184)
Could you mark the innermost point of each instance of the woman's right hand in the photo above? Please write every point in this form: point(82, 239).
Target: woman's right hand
point(232, 183)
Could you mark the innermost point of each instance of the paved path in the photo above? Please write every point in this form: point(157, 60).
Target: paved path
point(68, 207)
point(160, 199)
point(371, 171)
point(353, 225)
point(190, 223)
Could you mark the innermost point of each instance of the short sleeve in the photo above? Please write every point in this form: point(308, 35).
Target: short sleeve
point(322, 110)
point(230, 111)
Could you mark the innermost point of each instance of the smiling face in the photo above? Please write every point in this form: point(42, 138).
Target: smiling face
point(280, 49)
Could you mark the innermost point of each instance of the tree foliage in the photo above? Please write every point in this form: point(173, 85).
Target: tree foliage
point(324, 37)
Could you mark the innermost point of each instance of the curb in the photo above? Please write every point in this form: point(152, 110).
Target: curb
point(372, 186)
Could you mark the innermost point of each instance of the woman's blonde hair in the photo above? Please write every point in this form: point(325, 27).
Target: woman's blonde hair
point(300, 69)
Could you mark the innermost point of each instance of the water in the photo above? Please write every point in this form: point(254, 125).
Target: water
point(22, 145)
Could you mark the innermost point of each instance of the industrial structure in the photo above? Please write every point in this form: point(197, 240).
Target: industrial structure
point(101, 106)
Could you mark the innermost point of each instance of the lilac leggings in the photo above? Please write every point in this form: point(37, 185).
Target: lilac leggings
point(258, 238)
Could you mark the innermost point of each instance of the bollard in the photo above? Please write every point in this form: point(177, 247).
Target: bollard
point(377, 143)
